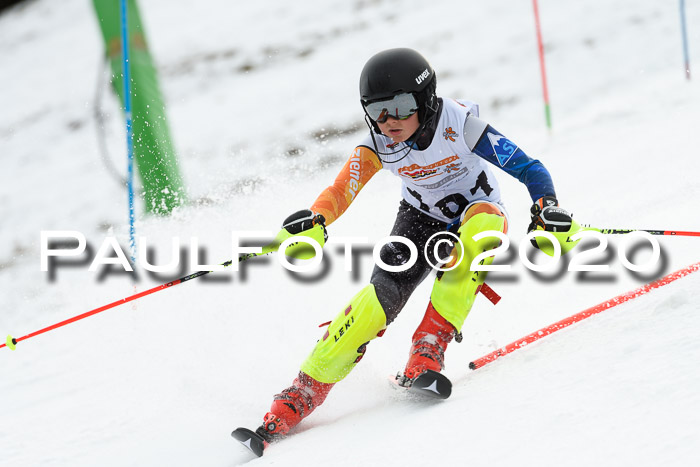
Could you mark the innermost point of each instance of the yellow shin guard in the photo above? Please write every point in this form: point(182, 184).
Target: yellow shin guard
point(344, 343)
point(454, 291)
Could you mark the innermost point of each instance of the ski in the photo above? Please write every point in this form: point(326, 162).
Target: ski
point(251, 440)
point(430, 384)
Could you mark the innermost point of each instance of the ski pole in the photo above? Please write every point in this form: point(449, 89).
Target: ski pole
point(652, 232)
point(11, 342)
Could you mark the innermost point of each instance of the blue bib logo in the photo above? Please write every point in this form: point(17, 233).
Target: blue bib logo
point(503, 148)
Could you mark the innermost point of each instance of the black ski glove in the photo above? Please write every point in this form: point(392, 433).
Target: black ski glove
point(304, 220)
point(547, 215)
point(303, 223)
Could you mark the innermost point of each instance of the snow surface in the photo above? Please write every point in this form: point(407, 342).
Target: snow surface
point(262, 101)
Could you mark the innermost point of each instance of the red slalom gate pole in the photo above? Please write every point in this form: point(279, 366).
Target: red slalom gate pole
point(684, 33)
point(520, 343)
point(12, 342)
point(543, 71)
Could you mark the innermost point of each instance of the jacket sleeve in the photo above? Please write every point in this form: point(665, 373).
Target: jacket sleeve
point(489, 144)
point(358, 170)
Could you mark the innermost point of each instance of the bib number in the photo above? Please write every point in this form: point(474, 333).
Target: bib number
point(453, 205)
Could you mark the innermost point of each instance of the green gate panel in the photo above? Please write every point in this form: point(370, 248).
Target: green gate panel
point(154, 155)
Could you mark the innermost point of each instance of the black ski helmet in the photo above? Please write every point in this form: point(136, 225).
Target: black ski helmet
point(397, 71)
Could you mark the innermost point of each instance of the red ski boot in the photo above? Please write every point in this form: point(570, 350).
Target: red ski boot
point(292, 405)
point(429, 343)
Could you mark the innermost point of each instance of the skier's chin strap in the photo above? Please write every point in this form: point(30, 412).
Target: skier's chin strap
point(420, 139)
point(425, 135)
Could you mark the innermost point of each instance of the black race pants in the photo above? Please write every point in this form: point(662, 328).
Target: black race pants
point(395, 288)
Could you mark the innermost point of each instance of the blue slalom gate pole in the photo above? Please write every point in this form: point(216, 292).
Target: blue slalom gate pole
point(686, 56)
point(129, 129)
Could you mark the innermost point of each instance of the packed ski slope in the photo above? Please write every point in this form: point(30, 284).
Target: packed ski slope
point(262, 100)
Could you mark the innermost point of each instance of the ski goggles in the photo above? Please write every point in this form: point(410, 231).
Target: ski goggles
point(400, 106)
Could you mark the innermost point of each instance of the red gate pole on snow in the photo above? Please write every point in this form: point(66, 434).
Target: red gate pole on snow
point(529, 339)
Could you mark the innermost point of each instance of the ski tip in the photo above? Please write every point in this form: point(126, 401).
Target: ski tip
point(433, 384)
point(253, 441)
point(11, 342)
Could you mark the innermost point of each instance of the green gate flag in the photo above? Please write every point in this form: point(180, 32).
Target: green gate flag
point(153, 149)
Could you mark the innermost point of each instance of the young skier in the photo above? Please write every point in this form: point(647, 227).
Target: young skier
point(443, 153)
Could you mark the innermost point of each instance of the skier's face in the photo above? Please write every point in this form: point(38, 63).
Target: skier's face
point(400, 130)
